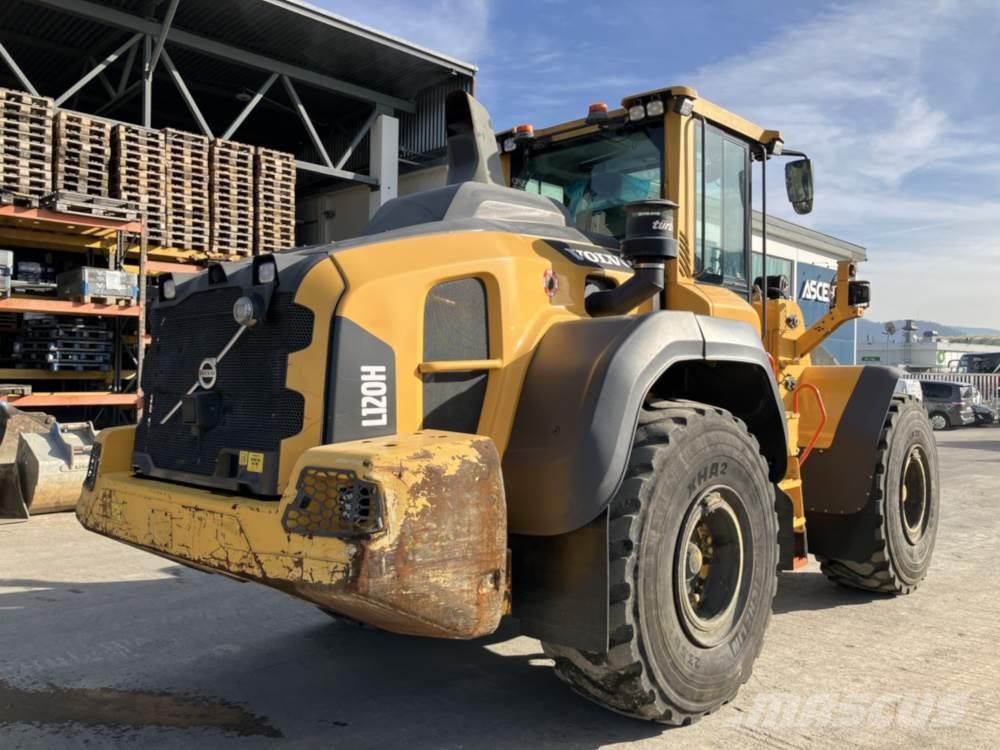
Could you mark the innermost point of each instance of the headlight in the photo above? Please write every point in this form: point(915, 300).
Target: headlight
point(168, 287)
point(654, 108)
point(265, 270)
point(246, 312)
point(636, 112)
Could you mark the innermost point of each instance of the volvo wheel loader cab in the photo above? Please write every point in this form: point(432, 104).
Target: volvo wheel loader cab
point(567, 401)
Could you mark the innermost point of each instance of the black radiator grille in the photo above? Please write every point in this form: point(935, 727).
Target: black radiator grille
point(258, 411)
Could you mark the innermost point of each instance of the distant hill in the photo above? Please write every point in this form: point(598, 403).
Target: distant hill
point(874, 329)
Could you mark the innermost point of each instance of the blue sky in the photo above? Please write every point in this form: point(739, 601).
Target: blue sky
point(897, 101)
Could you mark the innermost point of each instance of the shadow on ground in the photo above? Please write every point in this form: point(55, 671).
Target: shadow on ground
point(206, 655)
point(810, 590)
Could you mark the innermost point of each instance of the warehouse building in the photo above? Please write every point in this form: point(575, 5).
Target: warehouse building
point(354, 105)
point(204, 125)
point(925, 351)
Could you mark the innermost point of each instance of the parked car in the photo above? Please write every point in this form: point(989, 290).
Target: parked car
point(910, 388)
point(985, 414)
point(949, 404)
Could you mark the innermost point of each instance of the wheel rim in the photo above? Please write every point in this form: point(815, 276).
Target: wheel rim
point(938, 422)
point(914, 492)
point(710, 564)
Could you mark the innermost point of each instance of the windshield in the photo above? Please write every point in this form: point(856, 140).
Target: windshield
point(594, 176)
point(979, 362)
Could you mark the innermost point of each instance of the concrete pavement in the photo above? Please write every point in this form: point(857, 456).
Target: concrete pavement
point(106, 645)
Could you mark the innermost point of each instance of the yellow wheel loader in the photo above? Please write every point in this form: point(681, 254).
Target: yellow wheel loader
point(550, 389)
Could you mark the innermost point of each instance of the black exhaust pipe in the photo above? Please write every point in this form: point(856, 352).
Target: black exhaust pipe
point(649, 243)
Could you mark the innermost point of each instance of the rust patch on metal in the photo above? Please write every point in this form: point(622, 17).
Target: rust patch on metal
point(439, 568)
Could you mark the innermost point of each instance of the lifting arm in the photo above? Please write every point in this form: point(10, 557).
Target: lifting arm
point(851, 297)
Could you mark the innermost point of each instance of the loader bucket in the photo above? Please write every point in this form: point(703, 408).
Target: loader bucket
point(52, 466)
point(14, 422)
point(12, 507)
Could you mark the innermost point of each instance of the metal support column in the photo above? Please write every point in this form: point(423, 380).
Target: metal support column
point(147, 82)
point(254, 101)
point(304, 116)
point(365, 127)
point(164, 30)
point(186, 95)
point(16, 70)
point(384, 160)
point(97, 70)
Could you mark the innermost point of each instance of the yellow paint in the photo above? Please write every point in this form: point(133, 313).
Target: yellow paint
point(386, 287)
point(246, 539)
point(307, 368)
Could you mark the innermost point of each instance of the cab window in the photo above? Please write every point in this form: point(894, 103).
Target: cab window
point(722, 195)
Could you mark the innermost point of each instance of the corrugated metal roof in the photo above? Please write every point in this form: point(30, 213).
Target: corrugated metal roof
point(53, 39)
point(285, 30)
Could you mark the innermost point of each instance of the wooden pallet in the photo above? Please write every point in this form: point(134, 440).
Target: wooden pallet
point(137, 175)
point(187, 204)
point(8, 198)
point(84, 204)
point(274, 200)
point(26, 143)
point(232, 197)
point(99, 299)
point(82, 160)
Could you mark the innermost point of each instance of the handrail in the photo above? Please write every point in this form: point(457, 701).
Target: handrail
point(822, 417)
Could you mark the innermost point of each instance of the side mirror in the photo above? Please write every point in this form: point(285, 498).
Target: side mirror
point(799, 185)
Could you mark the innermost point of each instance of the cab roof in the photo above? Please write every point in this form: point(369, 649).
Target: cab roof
point(703, 107)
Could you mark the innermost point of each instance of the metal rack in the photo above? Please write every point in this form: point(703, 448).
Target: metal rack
point(42, 228)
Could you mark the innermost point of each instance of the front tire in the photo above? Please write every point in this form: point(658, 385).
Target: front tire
point(693, 557)
point(907, 499)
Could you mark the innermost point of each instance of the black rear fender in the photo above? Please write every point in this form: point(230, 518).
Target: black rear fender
point(580, 403)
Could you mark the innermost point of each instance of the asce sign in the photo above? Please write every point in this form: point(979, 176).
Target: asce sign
point(814, 290)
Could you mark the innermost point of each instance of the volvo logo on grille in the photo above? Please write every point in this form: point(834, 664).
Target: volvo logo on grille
point(208, 373)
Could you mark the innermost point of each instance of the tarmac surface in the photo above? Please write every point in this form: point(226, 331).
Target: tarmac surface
point(106, 646)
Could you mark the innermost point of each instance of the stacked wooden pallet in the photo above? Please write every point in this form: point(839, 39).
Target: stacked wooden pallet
point(137, 175)
point(274, 209)
point(82, 154)
point(25, 143)
point(189, 219)
point(232, 197)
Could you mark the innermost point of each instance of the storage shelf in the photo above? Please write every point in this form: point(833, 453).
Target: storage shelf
point(51, 230)
point(45, 229)
point(16, 373)
point(27, 303)
point(69, 398)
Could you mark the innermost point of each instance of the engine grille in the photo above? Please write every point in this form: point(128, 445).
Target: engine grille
point(258, 411)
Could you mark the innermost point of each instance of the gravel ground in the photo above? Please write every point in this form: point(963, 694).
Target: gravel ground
point(106, 646)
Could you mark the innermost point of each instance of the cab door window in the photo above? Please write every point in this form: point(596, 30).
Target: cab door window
point(722, 196)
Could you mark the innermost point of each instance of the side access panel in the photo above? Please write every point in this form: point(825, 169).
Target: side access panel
point(837, 481)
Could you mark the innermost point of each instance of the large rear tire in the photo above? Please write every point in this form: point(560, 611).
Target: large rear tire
point(906, 496)
point(693, 557)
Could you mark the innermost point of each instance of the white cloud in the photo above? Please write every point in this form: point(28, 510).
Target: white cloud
point(458, 28)
point(887, 97)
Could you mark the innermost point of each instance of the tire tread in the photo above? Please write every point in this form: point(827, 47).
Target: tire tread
point(619, 679)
